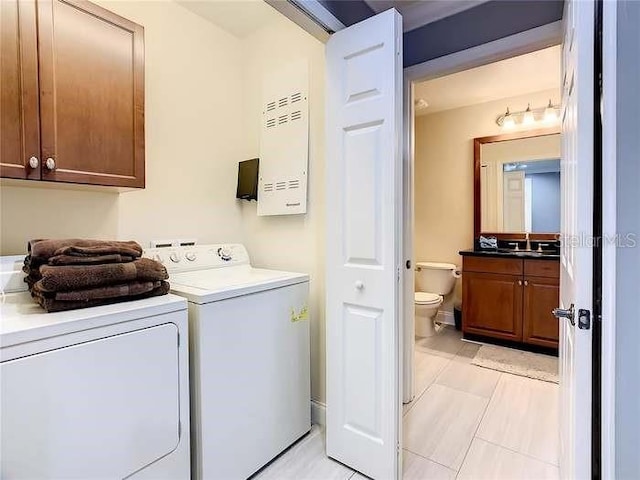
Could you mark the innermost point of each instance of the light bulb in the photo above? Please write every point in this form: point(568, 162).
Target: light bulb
point(550, 114)
point(508, 122)
point(421, 104)
point(527, 118)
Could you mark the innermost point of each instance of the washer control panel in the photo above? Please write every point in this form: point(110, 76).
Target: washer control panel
point(199, 257)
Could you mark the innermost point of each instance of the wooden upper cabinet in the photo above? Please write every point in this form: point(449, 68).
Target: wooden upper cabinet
point(19, 117)
point(91, 95)
point(72, 94)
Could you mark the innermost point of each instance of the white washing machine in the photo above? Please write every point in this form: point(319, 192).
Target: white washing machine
point(249, 344)
point(94, 393)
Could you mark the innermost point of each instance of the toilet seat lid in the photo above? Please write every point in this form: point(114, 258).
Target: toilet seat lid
point(426, 298)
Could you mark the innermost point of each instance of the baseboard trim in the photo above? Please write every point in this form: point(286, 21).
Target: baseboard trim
point(318, 413)
point(445, 317)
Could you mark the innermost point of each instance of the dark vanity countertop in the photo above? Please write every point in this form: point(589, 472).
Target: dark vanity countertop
point(504, 253)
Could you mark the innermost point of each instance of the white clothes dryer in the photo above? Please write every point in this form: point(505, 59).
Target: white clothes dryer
point(93, 393)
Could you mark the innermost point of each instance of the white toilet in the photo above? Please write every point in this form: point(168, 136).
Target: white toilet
point(433, 282)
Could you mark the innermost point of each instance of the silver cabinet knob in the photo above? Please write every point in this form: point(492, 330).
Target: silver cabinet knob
point(359, 285)
point(526, 283)
point(519, 282)
point(34, 162)
point(50, 163)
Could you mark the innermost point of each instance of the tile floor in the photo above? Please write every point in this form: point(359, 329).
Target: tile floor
point(466, 422)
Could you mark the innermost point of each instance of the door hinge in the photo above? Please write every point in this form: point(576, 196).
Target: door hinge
point(178, 339)
point(398, 273)
point(584, 319)
point(179, 428)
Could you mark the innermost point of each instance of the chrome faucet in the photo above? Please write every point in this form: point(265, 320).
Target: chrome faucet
point(542, 244)
point(528, 246)
point(515, 245)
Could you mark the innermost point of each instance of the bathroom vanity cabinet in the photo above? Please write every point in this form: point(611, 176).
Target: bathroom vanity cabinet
point(511, 298)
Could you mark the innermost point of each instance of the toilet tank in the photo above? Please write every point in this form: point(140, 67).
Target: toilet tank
point(434, 277)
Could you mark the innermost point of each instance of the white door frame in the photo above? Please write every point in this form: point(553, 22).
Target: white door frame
point(609, 230)
point(520, 44)
point(514, 45)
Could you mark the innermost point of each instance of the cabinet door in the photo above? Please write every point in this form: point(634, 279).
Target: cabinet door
point(492, 305)
point(541, 296)
point(20, 134)
point(91, 95)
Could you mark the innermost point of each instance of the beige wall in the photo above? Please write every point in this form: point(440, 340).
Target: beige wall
point(27, 213)
point(290, 242)
point(193, 80)
point(522, 149)
point(444, 174)
point(194, 131)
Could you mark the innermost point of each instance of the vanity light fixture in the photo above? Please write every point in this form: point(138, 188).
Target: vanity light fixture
point(550, 113)
point(529, 117)
point(508, 122)
point(421, 104)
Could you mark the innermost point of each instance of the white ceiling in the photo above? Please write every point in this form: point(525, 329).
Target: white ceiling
point(238, 17)
point(516, 76)
point(416, 13)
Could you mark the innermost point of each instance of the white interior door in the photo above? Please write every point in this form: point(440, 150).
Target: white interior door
point(576, 227)
point(513, 201)
point(364, 237)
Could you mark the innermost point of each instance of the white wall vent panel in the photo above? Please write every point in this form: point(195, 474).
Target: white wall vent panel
point(284, 141)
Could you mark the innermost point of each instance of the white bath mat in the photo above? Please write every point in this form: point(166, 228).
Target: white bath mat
point(526, 364)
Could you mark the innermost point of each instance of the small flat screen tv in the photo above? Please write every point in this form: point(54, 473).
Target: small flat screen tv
point(248, 179)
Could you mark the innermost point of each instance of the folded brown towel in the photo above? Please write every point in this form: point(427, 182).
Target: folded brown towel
point(131, 249)
point(108, 291)
point(30, 280)
point(31, 262)
point(79, 277)
point(43, 249)
point(64, 259)
point(53, 305)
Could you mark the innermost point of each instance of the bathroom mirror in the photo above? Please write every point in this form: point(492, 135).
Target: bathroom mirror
point(517, 184)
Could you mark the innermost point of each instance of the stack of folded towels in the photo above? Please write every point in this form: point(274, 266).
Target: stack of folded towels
point(75, 273)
